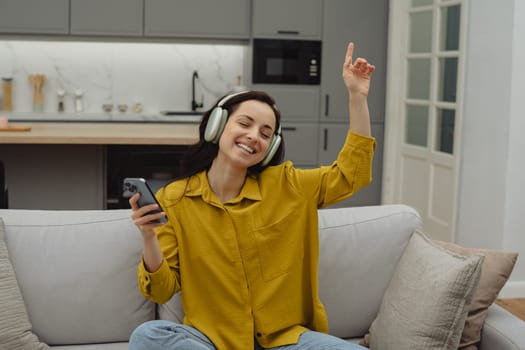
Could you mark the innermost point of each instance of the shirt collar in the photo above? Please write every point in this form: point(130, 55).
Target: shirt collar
point(199, 186)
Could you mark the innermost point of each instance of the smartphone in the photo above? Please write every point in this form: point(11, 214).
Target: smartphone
point(132, 185)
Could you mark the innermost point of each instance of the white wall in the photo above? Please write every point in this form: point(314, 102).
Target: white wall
point(514, 238)
point(491, 210)
point(158, 75)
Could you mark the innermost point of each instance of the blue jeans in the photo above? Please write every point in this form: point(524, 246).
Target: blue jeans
point(166, 335)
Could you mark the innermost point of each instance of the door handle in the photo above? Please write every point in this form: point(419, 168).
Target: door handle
point(325, 141)
point(289, 128)
point(326, 104)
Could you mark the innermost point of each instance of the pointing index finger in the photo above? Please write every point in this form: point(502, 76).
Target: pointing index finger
point(349, 53)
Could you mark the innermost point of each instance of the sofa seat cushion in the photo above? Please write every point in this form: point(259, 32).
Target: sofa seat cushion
point(77, 273)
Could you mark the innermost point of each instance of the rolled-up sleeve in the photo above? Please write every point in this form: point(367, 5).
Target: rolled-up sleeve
point(351, 171)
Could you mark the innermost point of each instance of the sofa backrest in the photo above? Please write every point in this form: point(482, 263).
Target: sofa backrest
point(359, 249)
point(77, 269)
point(77, 273)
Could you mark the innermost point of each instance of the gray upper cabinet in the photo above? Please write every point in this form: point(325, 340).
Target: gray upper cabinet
point(281, 19)
point(107, 17)
point(34, 16)
point(365, 23)
point(197, 18)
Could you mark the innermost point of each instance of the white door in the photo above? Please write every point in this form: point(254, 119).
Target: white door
point(423, 115)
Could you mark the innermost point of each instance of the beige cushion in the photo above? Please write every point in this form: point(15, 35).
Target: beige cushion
point(426, 302)
point(496, 269)
point(15, 329)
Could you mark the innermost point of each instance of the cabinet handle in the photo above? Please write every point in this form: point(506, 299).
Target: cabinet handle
point(290, 32)
point(326, 104)
point(325, 141)
point(289, 128)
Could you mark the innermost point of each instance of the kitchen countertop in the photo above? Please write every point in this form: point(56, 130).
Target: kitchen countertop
point(181, 117)
point(103, 129)
point(103, 133)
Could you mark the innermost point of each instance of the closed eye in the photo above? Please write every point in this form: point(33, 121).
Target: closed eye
point(266, 135)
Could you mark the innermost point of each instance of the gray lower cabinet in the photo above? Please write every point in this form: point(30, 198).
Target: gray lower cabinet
point(54, 176)
point(366, 24)
point(197, 18)
point(287, 19)
point(34, 16)
point(107, 17)
point(300, 143)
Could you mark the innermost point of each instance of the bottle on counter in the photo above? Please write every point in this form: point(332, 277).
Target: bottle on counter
point(7, 89)
point(60, 96)
point(79, 103)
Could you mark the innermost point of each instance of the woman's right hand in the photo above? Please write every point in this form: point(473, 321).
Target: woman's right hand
point(142, 217)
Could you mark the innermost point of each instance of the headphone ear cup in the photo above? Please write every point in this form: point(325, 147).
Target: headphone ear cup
point(214, 125)
point(221, 126)
point(272, 149)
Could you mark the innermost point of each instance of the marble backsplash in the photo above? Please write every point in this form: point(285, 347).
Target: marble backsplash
point(158, 76)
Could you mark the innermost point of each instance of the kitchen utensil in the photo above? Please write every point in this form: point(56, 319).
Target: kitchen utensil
point(123, 108)
point(37, 81)
point(16, 128)
point(7, 87)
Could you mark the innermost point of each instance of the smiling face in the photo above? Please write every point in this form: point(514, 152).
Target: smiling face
point(247, 134)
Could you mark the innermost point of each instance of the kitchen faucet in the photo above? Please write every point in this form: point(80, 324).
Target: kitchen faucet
point(194, 103)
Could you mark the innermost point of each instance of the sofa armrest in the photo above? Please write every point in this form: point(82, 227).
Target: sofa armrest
point(502, 330)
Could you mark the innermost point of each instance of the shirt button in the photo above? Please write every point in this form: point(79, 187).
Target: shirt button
point(259, 334)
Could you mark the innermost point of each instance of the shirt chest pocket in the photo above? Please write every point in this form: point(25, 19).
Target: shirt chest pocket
point(280, 248)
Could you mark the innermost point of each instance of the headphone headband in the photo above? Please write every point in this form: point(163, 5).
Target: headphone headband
point(227, 97)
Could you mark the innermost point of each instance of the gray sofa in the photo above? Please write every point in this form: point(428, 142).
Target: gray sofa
point(76, 271)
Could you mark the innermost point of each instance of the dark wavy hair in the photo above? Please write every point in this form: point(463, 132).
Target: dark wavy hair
point(200, 155)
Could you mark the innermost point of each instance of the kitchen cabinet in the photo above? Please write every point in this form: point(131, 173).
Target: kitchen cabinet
point(34, 16)
point(300, 143)
point(299, 106)
point(197, 18)
point(293, 19)
point(107, 17)
point(54, 176)
point(296, 103)
point(366, 24)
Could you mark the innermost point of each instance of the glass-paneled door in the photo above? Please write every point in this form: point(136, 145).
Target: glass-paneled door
point(424, 98)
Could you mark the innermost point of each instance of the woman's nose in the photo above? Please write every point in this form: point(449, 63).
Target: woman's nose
point(252, 134)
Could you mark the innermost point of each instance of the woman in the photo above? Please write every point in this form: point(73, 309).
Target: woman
point(241, 243)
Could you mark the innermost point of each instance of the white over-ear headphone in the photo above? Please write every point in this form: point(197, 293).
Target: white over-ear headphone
point(217, 121)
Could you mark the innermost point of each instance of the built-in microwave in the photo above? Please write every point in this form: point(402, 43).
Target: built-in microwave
point(279, 61)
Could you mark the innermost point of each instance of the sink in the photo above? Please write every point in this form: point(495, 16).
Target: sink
point(180, 113)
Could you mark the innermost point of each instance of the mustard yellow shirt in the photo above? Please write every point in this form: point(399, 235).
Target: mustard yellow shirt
point(247, 268)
